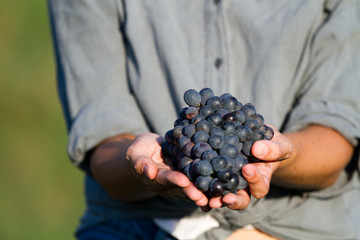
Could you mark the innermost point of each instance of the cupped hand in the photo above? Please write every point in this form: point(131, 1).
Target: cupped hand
point(258, 174)
point(148, 165)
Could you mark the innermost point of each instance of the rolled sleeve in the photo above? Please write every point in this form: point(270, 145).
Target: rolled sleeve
point(330, 92)
point(92, 80)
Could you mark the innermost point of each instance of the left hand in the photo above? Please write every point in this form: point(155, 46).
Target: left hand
point(257, 174)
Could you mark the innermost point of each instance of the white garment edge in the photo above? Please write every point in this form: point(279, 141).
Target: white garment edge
point(187, 228)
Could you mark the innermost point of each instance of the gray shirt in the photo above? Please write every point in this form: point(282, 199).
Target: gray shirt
point(123, 67)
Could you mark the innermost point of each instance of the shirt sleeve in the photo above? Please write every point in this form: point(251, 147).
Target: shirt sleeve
point(91, 73)
point(330, 91)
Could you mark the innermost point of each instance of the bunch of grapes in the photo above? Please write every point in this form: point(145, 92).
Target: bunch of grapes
point(211, 140)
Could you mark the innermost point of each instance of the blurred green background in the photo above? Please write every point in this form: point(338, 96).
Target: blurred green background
point(41, 195)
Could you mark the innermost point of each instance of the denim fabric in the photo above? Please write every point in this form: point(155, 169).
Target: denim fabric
point(124, 230)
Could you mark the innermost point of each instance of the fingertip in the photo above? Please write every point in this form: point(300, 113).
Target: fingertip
point(239, 201)
point(260, 149)
point(182, 181)
point(229, 199)
point(202, 202)
point(248, 172)
point(150, 172)
point(215, 202)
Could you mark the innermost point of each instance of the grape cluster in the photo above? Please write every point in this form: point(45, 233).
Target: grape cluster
point(211, 140)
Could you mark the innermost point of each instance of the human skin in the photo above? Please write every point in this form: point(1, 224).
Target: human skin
point(309, 159)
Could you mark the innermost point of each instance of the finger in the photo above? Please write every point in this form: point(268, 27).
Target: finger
point(189, 193)
point(144, 166)
point(195, 195)
point(215, 202)
point(167, 177)
point(173, 193)
point(257, 185)
point(237, 201)
point(272, 150)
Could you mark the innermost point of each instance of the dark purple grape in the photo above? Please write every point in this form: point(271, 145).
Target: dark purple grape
point(217, 131)
point(205, 94)
point(182, 114)
point(239, 162)
point(263, 128)
point(196, 119)
point(230, 117)
point(200, 136)
point(222, 112)
point(189, 130)
point(229, 128)
point(179, 157)
point(231, 139)
point(209, 155)
point(228, 150)
point(258, 117)
point(176, 151)
point(234, 140)
point(216, 141)
point(238, 124)
point(269, 134)
point(214, 119)
point(224, 175)
point(202, 183)
point(218, 163)
point(243, 133)
point(185, 122)
point(229, 103)
point(233, 182)
point(183, 162)
point(252, 123)
point(165, 149)
point(177, 131)
point(169, 137)
point(200, 147)
point(182, 141)
point(249, 110)
point(257, 135)
point(192, 98)
point(225, 95)
point(203, 125)
point(214, 102)
point(187, 149)
point(216, 187)
point(247, 148)
point(242, 183)
point(206, 111)
point(229, 162)
point(240, 116)
point(191, 112)
point(177, 122)
point(189, 172)
point(202, 167)
point(238, 106)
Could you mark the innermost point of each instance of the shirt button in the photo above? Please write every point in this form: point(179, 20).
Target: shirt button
point(218, 62)
point(217, 2)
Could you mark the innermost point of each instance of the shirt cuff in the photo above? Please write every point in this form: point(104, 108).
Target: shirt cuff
point(340, 117)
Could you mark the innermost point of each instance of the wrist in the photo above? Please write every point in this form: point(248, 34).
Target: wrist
point(113, 172)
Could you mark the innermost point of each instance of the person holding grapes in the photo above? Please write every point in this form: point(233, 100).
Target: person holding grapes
point(122, 69)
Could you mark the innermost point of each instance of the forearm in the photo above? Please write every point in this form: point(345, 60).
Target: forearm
point(319, 154)
point(111, 169)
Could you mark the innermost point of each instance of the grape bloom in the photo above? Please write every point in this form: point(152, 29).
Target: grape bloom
point(211, 140)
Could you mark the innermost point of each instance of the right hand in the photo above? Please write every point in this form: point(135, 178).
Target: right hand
point(147, 164)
